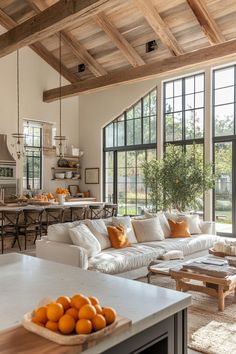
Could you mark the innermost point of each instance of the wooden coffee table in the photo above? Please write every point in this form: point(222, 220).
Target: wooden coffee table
point(213, 285)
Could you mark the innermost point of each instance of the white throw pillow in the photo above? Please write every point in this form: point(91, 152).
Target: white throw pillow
point(175, 254)
point(99, 230)
point(193, 223)
point(125, 221)
point(163, 221)
point(83, 237)
point(60, 232)
point(148, 230)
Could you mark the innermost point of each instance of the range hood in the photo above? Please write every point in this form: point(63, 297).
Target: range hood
point(5, 155)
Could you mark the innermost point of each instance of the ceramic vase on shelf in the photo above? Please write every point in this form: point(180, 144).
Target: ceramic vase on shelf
point(61, 199)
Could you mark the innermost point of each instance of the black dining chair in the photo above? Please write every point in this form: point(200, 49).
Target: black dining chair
point(10, 226)
point(110, 210)
point(32, 223)
point(95, 212)
point(78, 212)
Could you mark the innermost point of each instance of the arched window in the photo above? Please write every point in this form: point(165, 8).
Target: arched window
point(129, 140)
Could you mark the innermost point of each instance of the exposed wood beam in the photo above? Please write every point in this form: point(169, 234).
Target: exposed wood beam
point(81, 52)
point(54, 19)
point(7, 22)
point(77, 48)
point(188, 60)
point(206, 21)
point(125, 47)
point(152, 16)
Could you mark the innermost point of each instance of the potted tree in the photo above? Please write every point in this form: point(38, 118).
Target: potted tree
point(178, 180)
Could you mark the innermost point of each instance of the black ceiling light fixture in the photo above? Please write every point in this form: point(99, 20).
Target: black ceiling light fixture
point(151, 46)
point(81, 68)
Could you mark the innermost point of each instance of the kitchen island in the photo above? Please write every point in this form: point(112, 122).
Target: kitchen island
point(158, 315)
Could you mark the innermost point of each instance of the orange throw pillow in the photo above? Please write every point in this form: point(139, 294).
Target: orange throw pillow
point(118, 236)
point(179, 228)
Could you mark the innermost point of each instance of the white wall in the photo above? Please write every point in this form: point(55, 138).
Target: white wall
point(35, 77)
point(98, 109)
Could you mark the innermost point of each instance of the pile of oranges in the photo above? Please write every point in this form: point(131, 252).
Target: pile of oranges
point(77, 314)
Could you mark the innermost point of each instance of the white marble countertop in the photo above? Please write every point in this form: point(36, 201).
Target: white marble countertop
point(26, 280)
point(54, 205)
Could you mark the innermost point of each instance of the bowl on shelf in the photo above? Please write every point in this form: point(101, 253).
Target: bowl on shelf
point(59, 175)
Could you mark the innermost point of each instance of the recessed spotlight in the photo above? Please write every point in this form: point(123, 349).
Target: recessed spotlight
point(151, 46)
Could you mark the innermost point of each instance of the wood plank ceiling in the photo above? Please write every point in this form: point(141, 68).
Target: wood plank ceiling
point(112, 40)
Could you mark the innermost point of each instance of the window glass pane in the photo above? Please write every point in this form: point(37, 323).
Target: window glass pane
point(178, 88)
point(146, 106)
point(224, 77)
point(121, 134)
point(169, 106)
point(153, 129)
point(137, 110)
point(224, 120)
point(225, 95)
point(189, 85)
point(130, 132)
point(189, 101)
point(189, 125)
point(109, 135)
point(153, 102)
point(146, 130)
point(138, 131)
point(130, 114)
point(169, 89)
point(178, 104)
point(169, 121)
point(199, 100)
point(199, 83)
point(177, 126)
point(199, 123)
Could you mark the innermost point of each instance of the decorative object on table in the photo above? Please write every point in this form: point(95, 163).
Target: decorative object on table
point(72, 163)
point(178, 180)
point(59, 175)
point(73, 189)
point(60, 139)
point(223, 248)
point(62, 193)
point(87, 194)
point(70, 321)
point(19, 137)
point(92, 175)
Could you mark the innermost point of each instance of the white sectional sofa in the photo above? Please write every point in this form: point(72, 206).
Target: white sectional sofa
point(128, 262)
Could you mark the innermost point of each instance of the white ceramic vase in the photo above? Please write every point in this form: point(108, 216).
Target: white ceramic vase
point(61, 199)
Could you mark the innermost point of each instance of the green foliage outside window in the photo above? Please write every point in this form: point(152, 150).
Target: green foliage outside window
point(178, 180)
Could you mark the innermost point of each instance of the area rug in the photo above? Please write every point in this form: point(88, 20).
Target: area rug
point(203, 310)
point(216, 337)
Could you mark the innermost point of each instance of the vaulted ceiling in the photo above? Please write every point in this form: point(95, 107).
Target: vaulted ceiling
point(109, 36)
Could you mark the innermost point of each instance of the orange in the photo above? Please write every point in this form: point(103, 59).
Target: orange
point(98, 309)
point(83, 327)
point(79, 300)
point(65, 301)
point(73, 313)
point(110, 314)
point(94, 301)
point(55, 311)
point(53, 326)
point(34, 320)
point(66, 324)
point(98, 322)
point(87, 312)
point(41, 314)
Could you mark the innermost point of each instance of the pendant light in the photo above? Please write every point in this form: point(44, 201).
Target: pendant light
point(60, 139)
point(19, 138)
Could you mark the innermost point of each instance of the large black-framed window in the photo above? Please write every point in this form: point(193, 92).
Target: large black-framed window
point(224, 148)
point(32, 170)
point(184, 116)
point(130, 140)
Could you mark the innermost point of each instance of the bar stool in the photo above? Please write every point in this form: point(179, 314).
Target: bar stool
point(110, 210)
point(10, 226)
point(96, 211)
point(54, 216)
point(32, 223)
point(78, 213)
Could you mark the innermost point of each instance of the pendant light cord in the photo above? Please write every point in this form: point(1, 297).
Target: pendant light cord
point(60, 111)
point(18, 90)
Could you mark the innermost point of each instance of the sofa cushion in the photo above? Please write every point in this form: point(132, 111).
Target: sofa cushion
point(114, 261)
point(193, 220)
point(148, 230)
point(163, 221)
point(60, 232)
point(126, 222)
point(188, 245)
point(99, 230)
point(117, 236)
point(179, 228)
point(81, 236)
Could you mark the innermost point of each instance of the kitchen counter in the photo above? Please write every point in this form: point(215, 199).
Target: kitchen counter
point(15, 206)
point(26, 280)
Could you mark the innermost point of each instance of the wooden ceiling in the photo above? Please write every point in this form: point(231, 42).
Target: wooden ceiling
point(110, 36)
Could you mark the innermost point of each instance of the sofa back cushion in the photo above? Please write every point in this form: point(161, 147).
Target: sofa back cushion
point(148, 230)
point(117, 236)
point(163, 222)
point(99, 230)
point(60, 232)
point(179, 228)
point(81, 236)
point(126, 222)
point(192, 220)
